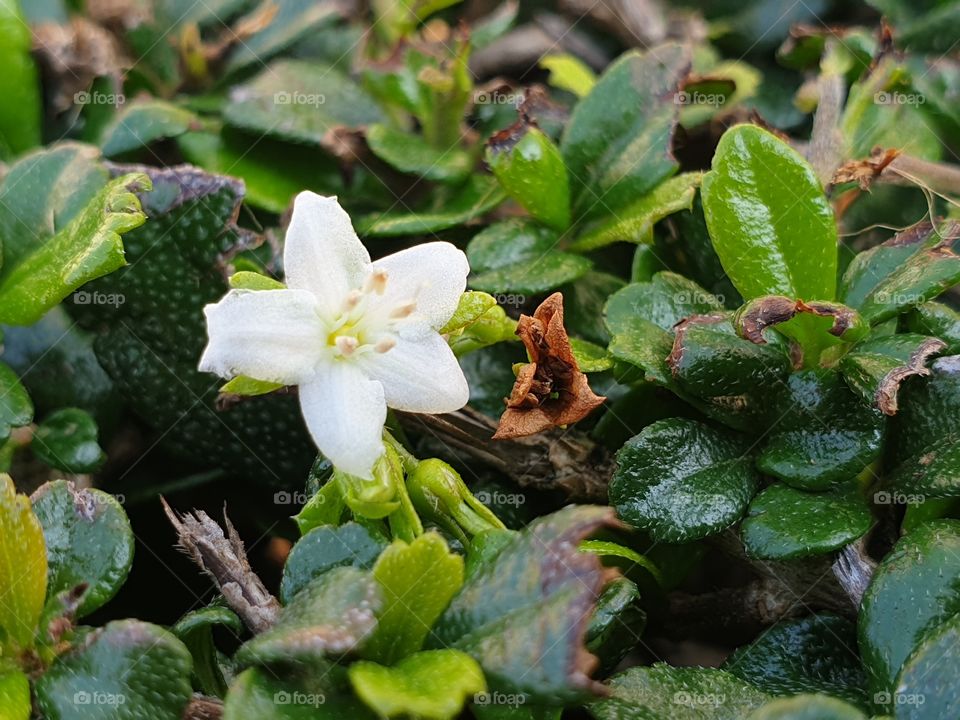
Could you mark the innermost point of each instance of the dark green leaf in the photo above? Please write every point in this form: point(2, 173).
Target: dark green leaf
point(926, 686)
point(938, 320)
point(915, 588)
point(682, 480)
point(16, 409)
point(617, 144)
point(617, 623)
point(128, 670)
point(523, 613)
point(410, 153)
point(88, 540)
point(195, 630)
point(664, 301)
point(807, 707)
point(770, 222)
point(908, 270)
point(67, 440)
point(333, 615)
point(678, 693)
point(259, 694)
point(143, 123)
point(784, 523)
point(815, 654)
point(323, 549)
point(521, 256)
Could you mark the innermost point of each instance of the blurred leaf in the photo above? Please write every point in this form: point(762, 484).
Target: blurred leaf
point(88, 539)
point(67, 440)
point(14, 694)
point(617, 624)
point(938, 320)
point(681, 480)
point(21, 112)
point(16, 409)
point(930, 673)
point(140, 124)
point(433, 684)
point(807, 707)
point(590, 357)
point(410, 153)
point(23, 569)
point(259, 694)
point(195, 630)
point(570, 73)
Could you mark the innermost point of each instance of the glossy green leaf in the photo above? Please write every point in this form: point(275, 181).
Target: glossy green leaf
point(521, 257)
point(195, 631)
point(617, 144)
point(529, 167)
point(14, 695)
point(768, 217)
point(807, 707)
point(664, 301)
point(67, 440)
point(433, 684)
point(140, 124)
point(471, 307)
point(333, 615)
point(476, 197)
point(88, 539)
point(323, 549)
point(249, 387)
point(418, 581)
point(525, 608)
point(35, 280)
point(617, 624)
point(590, 357)
point(634, 222)
point(915, 588)
point(876, 367)
point(263, 694)
point(908, 270)
point(678, 693)
point(23, 568)
point(926, 686)
point(937, 320)
point(924, 445)
point(16, 409)
point(784, 523)
point(570, 73)
point(682, 480)
point(818, 431)
point(21, 114)
point(300, 101)
point(814, 654)
point(410, 153)
point(128, 670)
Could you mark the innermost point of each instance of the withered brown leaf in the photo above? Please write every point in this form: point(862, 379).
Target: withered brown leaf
point(550, 390)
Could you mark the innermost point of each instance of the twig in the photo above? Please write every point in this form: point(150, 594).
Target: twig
point(224, 559)
point(203, 708)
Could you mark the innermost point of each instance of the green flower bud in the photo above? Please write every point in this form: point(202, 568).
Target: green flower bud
point(375, 498)
point(439, 493)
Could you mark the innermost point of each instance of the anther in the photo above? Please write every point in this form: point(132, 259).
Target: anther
point(385, 344)
point(376, 282)
point(346, 344)
point(403, 310)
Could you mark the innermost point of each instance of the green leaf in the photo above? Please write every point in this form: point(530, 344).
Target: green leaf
point(807, 707)
point(678, 693)
point(21, 114)
point(195, 630)
point(67, 440)
point(410, 153)
point(682, 480)
point(634, 222)
point(664, 301)
point(590, 357)
point(333, 615)
point(926, 686)
point(815, 654)
point(140, 124)
point(14, 695)
point(23, 569)
point(418, 581)
point(476, 197)
point(938, 320)
point(523, 611)
point(818, 432)
point(784, 523)
point(128, 670)
point(614, 158)
point(258, 694)
point(915, 588)
point(876, 367)
point(16, 409)
point(521, 256)
point(300, 101)
point(570, 73)
point(709, 360)
point(90, 246)
point(768, 217)
point(88, 539)
point(908, 270)
point(433, 684)
point(529, 167)
point(471, 307)
point(247, 280)
point(249, 387)
point(925, 435)
point(323, 549)
point(617, 623)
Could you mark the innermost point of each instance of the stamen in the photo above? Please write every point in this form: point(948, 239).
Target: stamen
point(385, 344)
point(403, 310)
point(376, 282)
point(346, 344)
point(352, 300)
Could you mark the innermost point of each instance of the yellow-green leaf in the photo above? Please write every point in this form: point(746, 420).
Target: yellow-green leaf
point(23, 568)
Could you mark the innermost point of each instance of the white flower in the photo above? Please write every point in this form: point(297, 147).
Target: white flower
point(355, 336)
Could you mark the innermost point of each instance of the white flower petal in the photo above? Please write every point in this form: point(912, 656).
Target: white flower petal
point(272, 335)
point(434, 274)
point(419, 375)
point(345, 412)
point(322, 253)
